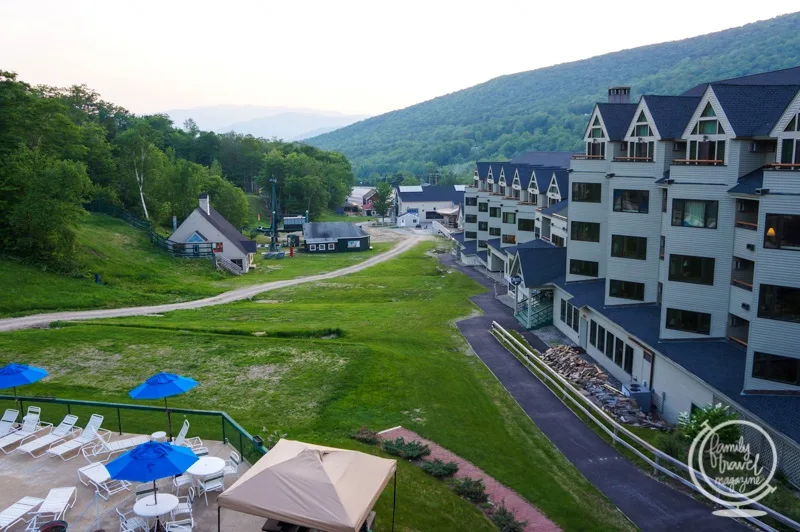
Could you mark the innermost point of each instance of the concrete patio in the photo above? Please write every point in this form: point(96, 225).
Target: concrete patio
point(21, 475)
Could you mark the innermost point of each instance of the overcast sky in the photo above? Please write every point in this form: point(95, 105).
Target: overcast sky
point(350, 56)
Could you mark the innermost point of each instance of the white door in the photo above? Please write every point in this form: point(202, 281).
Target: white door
point(583, 331)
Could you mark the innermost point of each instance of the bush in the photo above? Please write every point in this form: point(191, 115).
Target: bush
point(471, 489)
point(673, 443)
point(411, 450)
point(364, 435)
point(440, 469)
point(505, 521)
point(692, 424)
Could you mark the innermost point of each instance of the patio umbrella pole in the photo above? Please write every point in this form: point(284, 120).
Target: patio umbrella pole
point(394, 498)
point(169, 419)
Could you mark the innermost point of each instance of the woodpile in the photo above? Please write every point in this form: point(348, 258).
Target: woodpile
point(593, 383)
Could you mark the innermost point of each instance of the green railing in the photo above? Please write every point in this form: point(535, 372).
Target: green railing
point(145, 419)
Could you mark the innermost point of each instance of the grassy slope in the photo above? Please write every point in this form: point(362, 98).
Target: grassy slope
point(330, 216)
point(136, 273)
point(399, 361)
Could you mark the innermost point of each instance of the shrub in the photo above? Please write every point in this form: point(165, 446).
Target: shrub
point(673, 443)
point(364, 435)
point(411, 450)
point(505, 521)
point(692, 424)
point(440, 469)
point(471, 489)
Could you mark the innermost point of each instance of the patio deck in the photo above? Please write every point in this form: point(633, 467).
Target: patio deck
point(21, 475)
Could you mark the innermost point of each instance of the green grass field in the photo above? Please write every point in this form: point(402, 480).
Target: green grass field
point(330, 216)
point(134, 273)
point(398, 360)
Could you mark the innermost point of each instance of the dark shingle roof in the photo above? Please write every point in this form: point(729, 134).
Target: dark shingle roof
point(786, 76)
point(753, 110)
point(222, 225)
point(435, 193)
point(562, 179)
point(494, 243)
point(331, 231)
point(557, 208)
point(469, 247)
point(748, 183)
point(671, 113)
point(616, 117)
point(482, 255)
point(458, 237)
point(558, 159)
point(540, 265)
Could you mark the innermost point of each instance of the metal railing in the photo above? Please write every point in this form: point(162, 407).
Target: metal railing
point(655, 458)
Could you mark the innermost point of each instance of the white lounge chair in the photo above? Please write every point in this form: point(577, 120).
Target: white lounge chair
point(54, 506)
point(30, 426)
point(16, 512)
point(103, 447)
point(89, 436)
point(97, 475)
point(181, 439)
point(7, 423)
point(64, 430)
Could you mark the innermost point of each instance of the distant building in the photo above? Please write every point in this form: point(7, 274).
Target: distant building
point(332, 237)
point(441, 203)
point(408, 219)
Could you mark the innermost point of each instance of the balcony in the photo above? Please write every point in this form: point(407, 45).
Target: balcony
point(581, 157)
point(698, 162)
point(784, 166)
point(742, 275)
point(738, 330)
point(633, 159)
point(747, 214)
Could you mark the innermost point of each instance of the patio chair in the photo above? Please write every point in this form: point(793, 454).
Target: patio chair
point(64, 430)
point(8, 421)
point(200, 451)
point(88, 436)
point(97, 475)
point(54, 506)
point(212, 483)
point(232, 465)
point(129, 522)
point(110, 448)
point(15, 513)
point(181, 439)
point(180, 481)
point(30, 426)
point(184, 505)
point(184, 525)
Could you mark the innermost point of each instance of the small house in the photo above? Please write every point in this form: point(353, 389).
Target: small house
point(408, 219)
point(331, 237)
point(205, 225)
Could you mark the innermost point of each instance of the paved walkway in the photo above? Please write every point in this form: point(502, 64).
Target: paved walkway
point(43, 320)
point(649, 504)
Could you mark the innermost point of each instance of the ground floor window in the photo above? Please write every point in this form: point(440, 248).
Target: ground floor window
point(612, 347)
point(331, 247)
point(626, 290)
point(584, 267)
point(601, 338)
point(312, 247)
point(570, 315)
point(593, 333)
point(776, 368)
point(688, 321)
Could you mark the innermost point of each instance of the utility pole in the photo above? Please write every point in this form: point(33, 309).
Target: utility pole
point(273, 229)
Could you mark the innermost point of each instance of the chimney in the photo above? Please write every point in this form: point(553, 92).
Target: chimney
point(204, 203)
point(619, 95)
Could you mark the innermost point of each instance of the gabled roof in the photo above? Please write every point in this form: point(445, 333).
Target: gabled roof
point(331, 231)
point(748, 183)
point(557, 208)
point(244, 244)
point(752, 110)
point(458, 237)
point(469, 247)
point(562, 180)
point(530, 244)
point(671, 113)
point(786, 76)
point(617, 117)
point(558, 159)
point(483, 256)
point(495, 243)
point(540, 265)
point(432, 193)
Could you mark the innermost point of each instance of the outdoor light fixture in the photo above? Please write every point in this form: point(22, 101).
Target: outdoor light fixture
point(705, 137)
point(771, 231)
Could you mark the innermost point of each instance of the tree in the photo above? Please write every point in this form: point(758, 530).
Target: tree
point(382, 200)
point(410, 181)
point(138, 149)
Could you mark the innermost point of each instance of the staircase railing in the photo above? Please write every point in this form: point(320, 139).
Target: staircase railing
point(228, 265)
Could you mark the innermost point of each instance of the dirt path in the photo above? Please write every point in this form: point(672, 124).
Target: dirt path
point(43, 320)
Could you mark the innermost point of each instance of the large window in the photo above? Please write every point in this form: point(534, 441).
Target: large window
point(526, 224)
point(779, 303)
point(688, 321)
point(601, 338)
point(708, 123)
point(619, 351)
point(509, 217)
point(776, 368)
point(482, 244)
point(707, 151)
point(557, 241)
point(586, 192)
point(790, 151)
point(470, 235)
point(570, 315)
point(783, 232)
point(583, 267)
point(690, 269)
point(483, 207)
point(494, 212)
point(609, 351)
point(629, 247)
point(471, 218)
point(509, 239)
point(641, 151)
point(585, 231)
point(626, 290)
point(593, 333)
point(631, 200)
point(628, 364)
point(694, 213)
point(494, 231)
point(595, 149)
point(471, 201)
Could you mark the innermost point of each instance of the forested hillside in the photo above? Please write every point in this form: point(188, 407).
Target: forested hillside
point(62, 147)
point(545, 109)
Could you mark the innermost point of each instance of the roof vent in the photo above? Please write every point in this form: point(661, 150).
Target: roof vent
point(619, 95)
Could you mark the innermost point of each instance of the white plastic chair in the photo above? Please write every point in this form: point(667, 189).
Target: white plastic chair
point(181, 481)
point(15, 513)
point(212, 483)
point(232, 465)
point(55, 505)
point(103, 447)
point(30, 426)
point(184, 505)
point(7, 423)
point(97, 475)
point(64, 429)
point(185, 525)
point(89, 436)
point(181, 439)
point(131, 523)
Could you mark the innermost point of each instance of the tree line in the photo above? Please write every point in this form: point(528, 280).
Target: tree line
point(63, 147)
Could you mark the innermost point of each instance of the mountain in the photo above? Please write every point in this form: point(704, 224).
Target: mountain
point(545, 109)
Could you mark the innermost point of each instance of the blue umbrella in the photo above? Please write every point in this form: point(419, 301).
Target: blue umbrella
point(163, 385)
point(13, 375)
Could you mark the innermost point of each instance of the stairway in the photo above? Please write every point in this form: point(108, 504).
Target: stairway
point(541, 306)
point(225, 264)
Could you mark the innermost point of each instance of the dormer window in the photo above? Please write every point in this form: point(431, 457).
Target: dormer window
point(708, 123)
point(792, 126)
point(642, 127)
point(595, 143)
point(703, 151)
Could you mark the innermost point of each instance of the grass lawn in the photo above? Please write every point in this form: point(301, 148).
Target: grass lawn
point(134, 273)
point(258, 207)
point(398, 360)
point(331, 216)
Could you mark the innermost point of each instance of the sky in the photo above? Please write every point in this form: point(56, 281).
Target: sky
point(348, 56)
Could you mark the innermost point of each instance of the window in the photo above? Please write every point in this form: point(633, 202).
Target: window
point(662, 245)
point(526, 224)
point(575, 318)
point(494, 212)
point(570, 315)
point(776, 368)
point(470, 235)
point(628, 364)
point(557, 241)
point(412, 211)
point(631, 200)
point(664, 200)
point(312, 247)
point(601, 338)
point(597, 130)
point(783, 232)
point(707, 151)
point(586, 192)
point(779, 303)
point(353, 244)
point(629, 247)
point(483, 207)
point(708, 123)
point(641, 128)
point(585, 231)
point(694, 213)
point(626, 290)
point(553, 189)
point(596, 150)
point(483, 226)
point(195, 238)
point(686, 320)
point(471, 218)
point(641, 151)
point(482, 244)
point(593, 333)
point(509, 217)
point(332, 246)
point(790, 151)
point(471, 202)
point(494, 231)
point(564, 311)
point(509, 239)
point(793, 124)
point(583, 267)
point(619, 351)
point(689, 269)
point(609, 351)
point(660, 291)
point(552, 201)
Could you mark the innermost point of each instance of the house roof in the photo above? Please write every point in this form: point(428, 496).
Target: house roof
point(495, 243)
point(786, 76)
point(536, 243)
point(469, 247)
point(617, 117)
point(558, 159)
point(244, 244)
point(315, 232)
point(748, 183)
point(540, 265)
point(671, 113)
point(562, 179)
point(483, 255)
point(719, 363)
point(458, 237)
point(557, 208)
point(452, 193)
point(752, 110)
point(409, 214)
